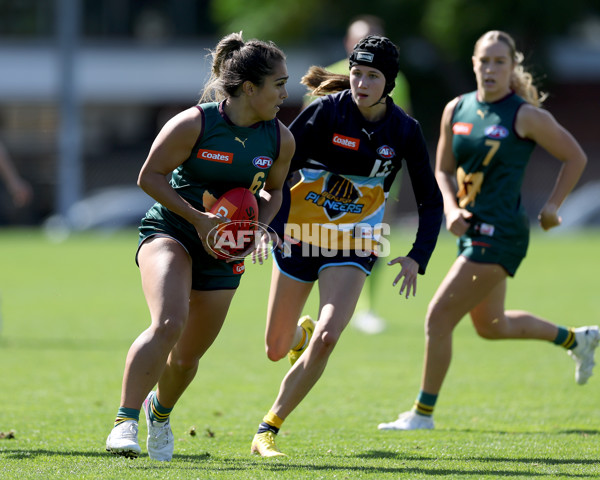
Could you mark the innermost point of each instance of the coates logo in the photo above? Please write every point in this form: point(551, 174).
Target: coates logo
point(496, 131)
point(462, 128)
point(262, 162)
point(239, 268)
point(386, 152)
point(230, 239)
point(214, 156)
point(345, 142)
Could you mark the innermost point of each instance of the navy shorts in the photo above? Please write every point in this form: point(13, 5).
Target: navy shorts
point(304, 265)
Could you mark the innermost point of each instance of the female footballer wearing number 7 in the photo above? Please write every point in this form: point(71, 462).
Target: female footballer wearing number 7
point(486, 140)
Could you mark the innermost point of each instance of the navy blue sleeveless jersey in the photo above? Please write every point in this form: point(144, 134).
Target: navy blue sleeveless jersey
point(347, 165)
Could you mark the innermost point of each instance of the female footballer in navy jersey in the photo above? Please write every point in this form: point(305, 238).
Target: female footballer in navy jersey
point(199, 154)
point(349, 147)
point(486, 140)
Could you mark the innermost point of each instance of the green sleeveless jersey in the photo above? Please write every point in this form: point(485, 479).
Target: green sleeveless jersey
point(226, 156)
point(491, 159)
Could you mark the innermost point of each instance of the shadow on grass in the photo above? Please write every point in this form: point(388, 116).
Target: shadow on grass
point(381, 454)
point(282, 466)
point(20, 454)
point(580, 432)
point(573, 431)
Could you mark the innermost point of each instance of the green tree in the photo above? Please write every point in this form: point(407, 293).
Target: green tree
point(278, 20)
point(451, 26)
point(436, 37)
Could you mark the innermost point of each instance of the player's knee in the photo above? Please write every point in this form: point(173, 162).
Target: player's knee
point(490, 330)
point(169, 330)
point(277, 346)
point(435, 324)
point(275, 352)
point(183, 364)
point(328, 339)
point(441, 319)
point(186, 366)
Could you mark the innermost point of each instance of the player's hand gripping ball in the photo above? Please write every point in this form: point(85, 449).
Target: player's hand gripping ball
point(240, 207)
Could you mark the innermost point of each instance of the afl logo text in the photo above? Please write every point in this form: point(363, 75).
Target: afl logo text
point(386, 152)
point(262, 162)
point(496, 131)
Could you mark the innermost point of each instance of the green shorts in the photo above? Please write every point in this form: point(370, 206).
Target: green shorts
point(508, 253)
point(208, 273)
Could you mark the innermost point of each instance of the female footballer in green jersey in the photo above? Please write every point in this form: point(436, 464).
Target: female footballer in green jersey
point(486, 139)
point(188, 289)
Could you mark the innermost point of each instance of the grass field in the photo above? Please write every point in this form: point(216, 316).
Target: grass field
point(508, 409)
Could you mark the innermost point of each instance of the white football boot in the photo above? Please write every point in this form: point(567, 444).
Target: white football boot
point(409, 421)
point(160, 441)
point(583, 354)
point(123, 441)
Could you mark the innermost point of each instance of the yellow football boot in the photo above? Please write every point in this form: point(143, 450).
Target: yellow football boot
point(263, 444)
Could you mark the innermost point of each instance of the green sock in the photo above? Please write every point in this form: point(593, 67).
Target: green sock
point(127, 414)
point(158, 413)
point(565, 338)
point(425, 403)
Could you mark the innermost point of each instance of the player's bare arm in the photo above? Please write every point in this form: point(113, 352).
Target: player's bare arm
point(170, 149)
point(540, 126)
point(457, 219)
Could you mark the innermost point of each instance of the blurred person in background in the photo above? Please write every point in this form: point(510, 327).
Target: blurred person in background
point(19, 189)
point(188, 289)
point(350, 144)
point(486, 139)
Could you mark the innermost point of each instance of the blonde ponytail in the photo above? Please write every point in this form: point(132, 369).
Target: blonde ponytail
point(521, 81)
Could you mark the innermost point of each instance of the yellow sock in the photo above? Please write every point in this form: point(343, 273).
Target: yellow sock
point(273, 420)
